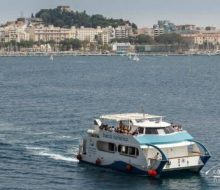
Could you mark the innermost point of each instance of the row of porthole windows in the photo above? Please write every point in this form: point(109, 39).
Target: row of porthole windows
point(122, 149)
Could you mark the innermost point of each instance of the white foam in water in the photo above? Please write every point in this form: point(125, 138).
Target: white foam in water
point(44, 133)
point(36, 148)
point(58, 157)
point(41, 151)
point(66, 137)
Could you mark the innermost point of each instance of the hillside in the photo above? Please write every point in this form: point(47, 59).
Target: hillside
point(68, 18)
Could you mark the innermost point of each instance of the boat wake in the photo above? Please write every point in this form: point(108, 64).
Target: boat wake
point(58, 157)
point(41, 151)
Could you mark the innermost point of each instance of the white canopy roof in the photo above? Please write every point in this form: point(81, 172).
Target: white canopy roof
point(129, 116)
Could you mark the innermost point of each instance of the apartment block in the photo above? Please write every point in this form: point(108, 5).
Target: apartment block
point(88, 34)
point(158, 31)
point(123, 31)
point(14, 33)
point(203, 37)
point(49, 33)
point(207, 37)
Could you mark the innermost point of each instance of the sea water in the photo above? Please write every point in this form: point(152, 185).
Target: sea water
point(47, 106)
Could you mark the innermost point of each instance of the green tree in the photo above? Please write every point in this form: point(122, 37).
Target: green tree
point(171, 38)
point(120, 40)
point(70, 44)
point(85, 44)
point(92, 46)
point(26, 44)
point(144, 39)
point(75, 18)
point(76, 44)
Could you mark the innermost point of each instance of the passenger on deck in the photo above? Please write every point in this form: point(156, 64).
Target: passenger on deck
point(122, 128)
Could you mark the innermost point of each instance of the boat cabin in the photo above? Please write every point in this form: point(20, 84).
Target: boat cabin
point(135, 124)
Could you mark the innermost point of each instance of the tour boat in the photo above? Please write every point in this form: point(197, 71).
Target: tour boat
point(141, 144)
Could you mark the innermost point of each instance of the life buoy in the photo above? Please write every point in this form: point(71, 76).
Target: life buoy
point(98, 161)
point(152, 173)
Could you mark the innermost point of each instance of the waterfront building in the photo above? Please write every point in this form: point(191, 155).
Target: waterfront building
point(121, 47)
point(49, 33)
point(85, 34)
point(38, 32)
point(207, 37)
point(205, 40)
point(158, 48)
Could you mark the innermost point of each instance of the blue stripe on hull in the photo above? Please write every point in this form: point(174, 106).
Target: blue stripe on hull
point(120, 166)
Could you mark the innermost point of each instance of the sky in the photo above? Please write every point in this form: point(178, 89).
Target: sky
point(144, 13)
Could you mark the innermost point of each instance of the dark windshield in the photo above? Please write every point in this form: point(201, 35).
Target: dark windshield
point(165, 130)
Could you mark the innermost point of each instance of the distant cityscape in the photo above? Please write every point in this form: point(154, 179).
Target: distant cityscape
point(33, 35)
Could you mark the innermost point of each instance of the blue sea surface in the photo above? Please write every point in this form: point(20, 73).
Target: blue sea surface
point(47, 106)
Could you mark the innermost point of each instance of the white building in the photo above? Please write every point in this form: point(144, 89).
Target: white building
point(207, 37)
point(158, 31)
point(14, 33)
point(121, 47)
point(85, 34)
point(203, 37)
point(123, 31)
point(48, 33)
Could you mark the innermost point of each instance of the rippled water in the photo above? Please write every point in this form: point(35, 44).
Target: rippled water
point(47, 106)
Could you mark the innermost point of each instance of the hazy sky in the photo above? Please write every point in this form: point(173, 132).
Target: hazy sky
point(141, 12)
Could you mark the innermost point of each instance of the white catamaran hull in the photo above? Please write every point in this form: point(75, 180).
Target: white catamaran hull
point(142, 146)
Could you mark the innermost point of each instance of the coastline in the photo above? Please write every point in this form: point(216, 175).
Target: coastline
point(45, 54)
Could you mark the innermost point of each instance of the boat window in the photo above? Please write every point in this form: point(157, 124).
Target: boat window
point(161, 131)
point(106, 146)
point(169, 130)
point(151, 131)
point(111, 147)
point(140, 130)
point(128, 150)
point(131, 151)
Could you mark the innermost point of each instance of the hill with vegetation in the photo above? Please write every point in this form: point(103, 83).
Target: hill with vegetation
point(58, 17)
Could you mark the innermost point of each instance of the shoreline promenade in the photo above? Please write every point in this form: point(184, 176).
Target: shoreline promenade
point(72, 53)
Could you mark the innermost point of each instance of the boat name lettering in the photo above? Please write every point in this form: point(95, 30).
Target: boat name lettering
point(119, 138)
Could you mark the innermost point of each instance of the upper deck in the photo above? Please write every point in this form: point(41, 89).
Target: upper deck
point(135, 124)
point(138, 119)
point(145, 128)
point(130, 116)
